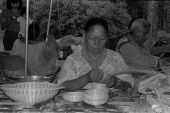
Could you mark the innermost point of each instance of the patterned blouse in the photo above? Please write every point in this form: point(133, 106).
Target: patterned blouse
point(76, 65)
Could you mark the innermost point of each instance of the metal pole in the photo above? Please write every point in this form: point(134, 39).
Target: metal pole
point(49, 18)
point(26, 40)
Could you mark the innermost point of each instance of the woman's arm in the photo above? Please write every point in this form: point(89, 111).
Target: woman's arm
point(94, 75)
point(122, 85)
point(76, 83)
point(68, 78)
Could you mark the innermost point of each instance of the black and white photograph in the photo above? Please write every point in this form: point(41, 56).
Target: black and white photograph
point(84, 56)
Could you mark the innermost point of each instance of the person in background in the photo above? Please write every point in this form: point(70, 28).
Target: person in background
point(22, 22)
point(94, 62)
point(9, 22)
point(133, 50)
point(42, 55)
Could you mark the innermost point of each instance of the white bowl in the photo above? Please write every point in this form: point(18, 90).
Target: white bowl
point(73, 96)
point(30, 92)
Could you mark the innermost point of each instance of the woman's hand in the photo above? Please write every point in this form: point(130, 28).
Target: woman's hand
point(109, 81)
point(95, 75)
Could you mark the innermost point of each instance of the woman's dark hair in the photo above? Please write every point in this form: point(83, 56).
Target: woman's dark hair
point(9, 2)
point(96, 21)
point(33, 31)
point(23, 11)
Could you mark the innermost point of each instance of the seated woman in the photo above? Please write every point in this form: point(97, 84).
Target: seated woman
point(94, 62)
point(133, 49)
point(42, 55)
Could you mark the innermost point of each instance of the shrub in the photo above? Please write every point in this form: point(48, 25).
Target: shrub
point(69, 16)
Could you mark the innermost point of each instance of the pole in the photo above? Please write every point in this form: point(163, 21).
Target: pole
point(49, 18)
point(26, 40)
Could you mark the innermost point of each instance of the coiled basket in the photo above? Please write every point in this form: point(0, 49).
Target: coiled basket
point(30, 93)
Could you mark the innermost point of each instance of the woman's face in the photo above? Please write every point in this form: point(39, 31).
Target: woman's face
point(95, 39)
point(140, 35)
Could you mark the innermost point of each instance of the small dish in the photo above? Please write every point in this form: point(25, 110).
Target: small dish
point(73, 96)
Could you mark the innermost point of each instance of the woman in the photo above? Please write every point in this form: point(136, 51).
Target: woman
point(93, 62)
point(22, 22)
point(42, 55)
point(9, 23)
point(133, 49)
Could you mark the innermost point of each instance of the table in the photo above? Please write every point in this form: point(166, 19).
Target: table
point(61, 106)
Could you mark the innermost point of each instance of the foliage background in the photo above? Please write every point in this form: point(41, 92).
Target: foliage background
point(69, 16)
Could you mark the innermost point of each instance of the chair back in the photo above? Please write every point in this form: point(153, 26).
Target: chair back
point(1, 74)
point(13, 67)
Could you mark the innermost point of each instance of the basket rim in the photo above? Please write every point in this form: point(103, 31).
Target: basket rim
point(29, 85)
point(31, 89)
point(77, 92)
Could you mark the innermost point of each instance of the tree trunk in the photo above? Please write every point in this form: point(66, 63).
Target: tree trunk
point(153, 18)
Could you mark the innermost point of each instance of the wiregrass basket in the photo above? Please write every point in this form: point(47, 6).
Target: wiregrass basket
point(95, 97)
point(30, 93)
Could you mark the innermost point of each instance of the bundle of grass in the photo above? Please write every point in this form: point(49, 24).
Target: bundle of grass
point(141, 106)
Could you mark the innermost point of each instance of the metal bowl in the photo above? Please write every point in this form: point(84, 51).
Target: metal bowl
point(35, 78)
point(31, 78)
point(73, 96)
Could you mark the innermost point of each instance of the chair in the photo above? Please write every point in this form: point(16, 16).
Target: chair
point(12, 66)
point(1, 74)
